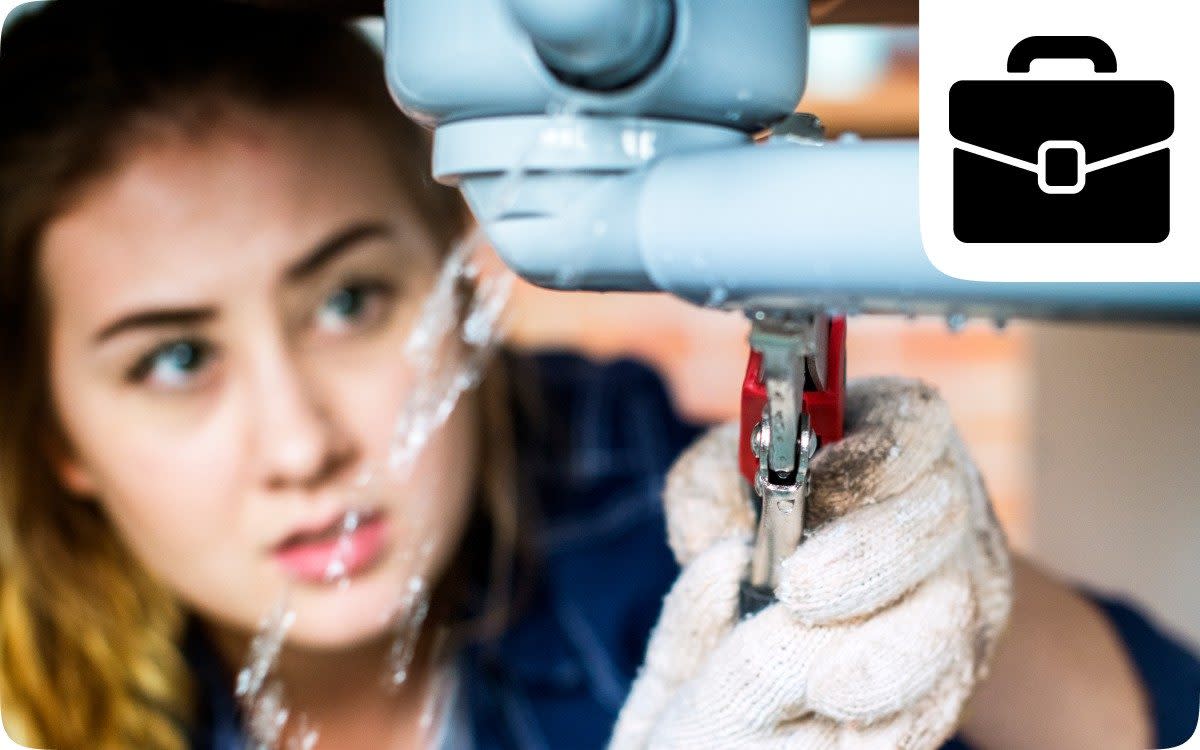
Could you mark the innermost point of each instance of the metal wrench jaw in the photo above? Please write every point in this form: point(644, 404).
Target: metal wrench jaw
point(781, 518)
point(792, 396)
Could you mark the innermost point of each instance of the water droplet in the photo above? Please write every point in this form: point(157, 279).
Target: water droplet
point(956, 321)
point(261, 697)
point(639, 143)
point(440, 381)
point(413, 610)
point(335, 569)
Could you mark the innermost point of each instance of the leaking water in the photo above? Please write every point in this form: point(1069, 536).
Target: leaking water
point(411, 614)
point(260, 696)
point(447, 359)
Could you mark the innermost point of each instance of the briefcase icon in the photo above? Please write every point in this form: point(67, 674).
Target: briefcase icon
point(1062, 160)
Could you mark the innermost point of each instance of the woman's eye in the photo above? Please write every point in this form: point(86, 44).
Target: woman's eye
point(353, 305)
point(174, 366)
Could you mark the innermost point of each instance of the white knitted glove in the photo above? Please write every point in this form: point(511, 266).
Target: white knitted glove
point(888, 611)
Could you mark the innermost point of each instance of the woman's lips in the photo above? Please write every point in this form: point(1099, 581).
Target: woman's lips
point(312, 558)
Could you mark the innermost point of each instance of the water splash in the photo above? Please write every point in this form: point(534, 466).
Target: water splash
point(463, 320)
point(560, 133)
point(411, 615)
point(336, 569)
point(265, 648)
point(260, 695)
point(441, 377)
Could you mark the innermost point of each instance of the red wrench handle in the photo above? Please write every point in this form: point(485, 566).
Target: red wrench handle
point(826, 408)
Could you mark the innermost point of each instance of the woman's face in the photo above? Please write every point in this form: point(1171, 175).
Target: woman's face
point(227, 318)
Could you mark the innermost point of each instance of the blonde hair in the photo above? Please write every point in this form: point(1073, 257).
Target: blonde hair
point(89, 639)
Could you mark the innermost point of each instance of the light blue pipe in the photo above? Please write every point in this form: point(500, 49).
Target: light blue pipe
point(722, 222)
point(558, 197)
point(597, 44)
point(734, 63)
point(657, 186)
point(837, 226)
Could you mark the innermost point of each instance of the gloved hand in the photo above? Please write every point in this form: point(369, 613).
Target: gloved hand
point(888, 611)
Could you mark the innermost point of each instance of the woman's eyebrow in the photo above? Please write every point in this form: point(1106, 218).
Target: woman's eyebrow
point(313, 261)
point(334, 246)
point(156, 318)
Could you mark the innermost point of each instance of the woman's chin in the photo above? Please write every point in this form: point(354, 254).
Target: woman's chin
point(329, 616)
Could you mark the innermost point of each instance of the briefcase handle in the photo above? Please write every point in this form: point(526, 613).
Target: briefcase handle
point(1063, 48)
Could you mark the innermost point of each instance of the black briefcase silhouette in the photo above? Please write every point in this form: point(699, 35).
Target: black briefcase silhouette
point(1062, 161)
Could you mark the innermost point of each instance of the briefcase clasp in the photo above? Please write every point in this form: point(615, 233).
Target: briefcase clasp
point(1080, 167)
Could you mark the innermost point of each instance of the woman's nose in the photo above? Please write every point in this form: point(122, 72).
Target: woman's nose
point(300, 439)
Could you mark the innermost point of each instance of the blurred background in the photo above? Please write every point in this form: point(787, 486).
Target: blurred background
point(1088, 436)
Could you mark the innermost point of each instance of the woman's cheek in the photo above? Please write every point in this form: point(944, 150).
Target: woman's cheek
point(176, 496)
